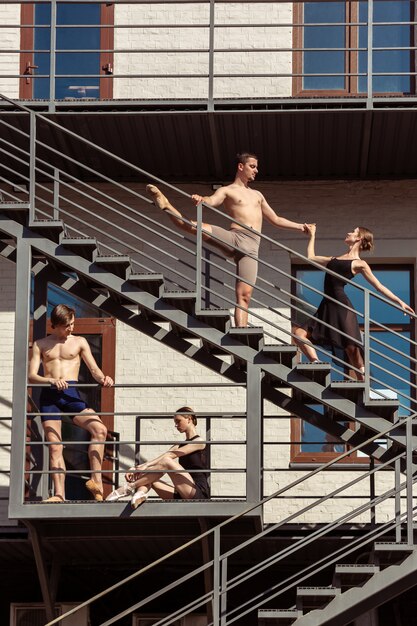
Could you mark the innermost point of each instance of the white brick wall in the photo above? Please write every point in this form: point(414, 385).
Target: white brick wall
point(387, 207)
point(164, 36)
point(9, 40)
point(7, 307)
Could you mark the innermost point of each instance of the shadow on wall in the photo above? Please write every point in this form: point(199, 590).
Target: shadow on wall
point(7, 286)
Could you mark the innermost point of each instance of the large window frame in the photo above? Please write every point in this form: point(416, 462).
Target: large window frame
point(27, 45)
point(297, 455)
point(351, 65)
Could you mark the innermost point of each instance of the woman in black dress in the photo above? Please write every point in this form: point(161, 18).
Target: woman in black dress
point(189, 455)
point(339, 317)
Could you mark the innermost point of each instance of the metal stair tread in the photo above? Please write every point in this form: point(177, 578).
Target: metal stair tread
point(317, 591)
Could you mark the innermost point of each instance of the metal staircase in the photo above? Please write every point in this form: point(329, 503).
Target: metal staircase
point(171, 310)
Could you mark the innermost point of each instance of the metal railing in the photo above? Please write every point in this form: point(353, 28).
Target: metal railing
point(118, 217)
point(288, 46)
point(224, 582)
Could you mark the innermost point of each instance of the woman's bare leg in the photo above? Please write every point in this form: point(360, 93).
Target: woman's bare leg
point(306, 348)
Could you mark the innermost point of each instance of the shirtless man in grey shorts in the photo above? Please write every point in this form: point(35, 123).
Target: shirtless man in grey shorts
point(248, 207)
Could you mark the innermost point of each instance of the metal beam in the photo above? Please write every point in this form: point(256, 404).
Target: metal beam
point(42, 570)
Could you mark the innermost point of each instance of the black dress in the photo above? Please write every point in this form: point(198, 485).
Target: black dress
point(337, 316)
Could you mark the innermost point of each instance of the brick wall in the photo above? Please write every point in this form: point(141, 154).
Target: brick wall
point(7, 307)
point(9, 40)
point(386, 207)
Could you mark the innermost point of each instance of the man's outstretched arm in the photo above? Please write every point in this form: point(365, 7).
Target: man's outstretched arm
point(281, 222)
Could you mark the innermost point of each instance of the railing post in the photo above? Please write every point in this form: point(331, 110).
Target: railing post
point(32, 165)
point(367, 344)
point(210, 102)
point(397, 500)
point(198, 261)
point(52, 58)
point(20, 363)
point(56, 194)
point(223, 598)
point(216, 576)
point(254, 415)
point(409, 480)
point(369, 87)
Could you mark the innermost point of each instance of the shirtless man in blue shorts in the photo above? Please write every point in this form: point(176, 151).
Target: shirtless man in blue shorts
point(249, 207)
point(60, 354)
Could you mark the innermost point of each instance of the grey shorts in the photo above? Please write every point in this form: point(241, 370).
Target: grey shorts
point(247, 243)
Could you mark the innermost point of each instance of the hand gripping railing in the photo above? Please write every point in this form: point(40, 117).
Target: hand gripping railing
point(223, 585)
point(117, 216)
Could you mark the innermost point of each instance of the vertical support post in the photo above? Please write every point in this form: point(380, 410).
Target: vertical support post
point(52, 58)
point(369, 88)
point(367, 344)
point(216, 576)
point(56, 194)
point(397, 500)
point(41, 566)
point(32, 165)
point(223, 598)
point(254, 414)
point(40, 312)
point(409, 480)
point(198, 261)
point(20, 366)
point(372, 490)
point(210, 103)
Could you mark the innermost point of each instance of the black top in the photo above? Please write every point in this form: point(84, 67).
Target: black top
point(196, 461)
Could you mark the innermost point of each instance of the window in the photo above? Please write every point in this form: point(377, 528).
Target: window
point(389, 369)
point(82, 72)
point(335, 47)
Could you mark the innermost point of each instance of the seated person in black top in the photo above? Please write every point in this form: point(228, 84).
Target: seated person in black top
point(189, 455)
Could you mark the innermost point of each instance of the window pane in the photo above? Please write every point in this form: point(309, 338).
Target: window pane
point(314, 439)
point(322, 62)
point(387, 36)
point(73, 63)
point(395, 367)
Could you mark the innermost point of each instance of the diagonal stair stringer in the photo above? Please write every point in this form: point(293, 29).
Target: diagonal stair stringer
point(382, 587)
point(346, 409)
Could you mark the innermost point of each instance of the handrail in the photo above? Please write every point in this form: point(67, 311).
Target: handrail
point(219, 526)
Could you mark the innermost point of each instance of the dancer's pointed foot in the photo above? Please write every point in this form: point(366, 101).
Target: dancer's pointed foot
point(138, 498)
point(95, 490)
point(158, 197)
point(121, 492)
point(53, 499)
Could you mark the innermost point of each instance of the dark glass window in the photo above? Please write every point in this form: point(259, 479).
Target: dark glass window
point(335, 26)
point(69, 63)
point(317, 36)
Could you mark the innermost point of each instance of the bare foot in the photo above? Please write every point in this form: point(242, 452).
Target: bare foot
point(158, 197)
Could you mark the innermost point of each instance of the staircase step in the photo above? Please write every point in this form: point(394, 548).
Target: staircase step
point(117, 264)
point(282, 354)
point(183, 300)
point(390, 553)
point(8, 251)
point(251, 336)
point(51, 229)
point(383, 408)
point(85, 247)
point(317, 372)
point(352, 575)
point(311, 598)
point(283, 617)
point(17, 211)
point(216, 318)
point(151, 283)
point(350, 390)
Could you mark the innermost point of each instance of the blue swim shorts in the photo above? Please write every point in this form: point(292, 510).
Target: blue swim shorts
point(53, 400)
